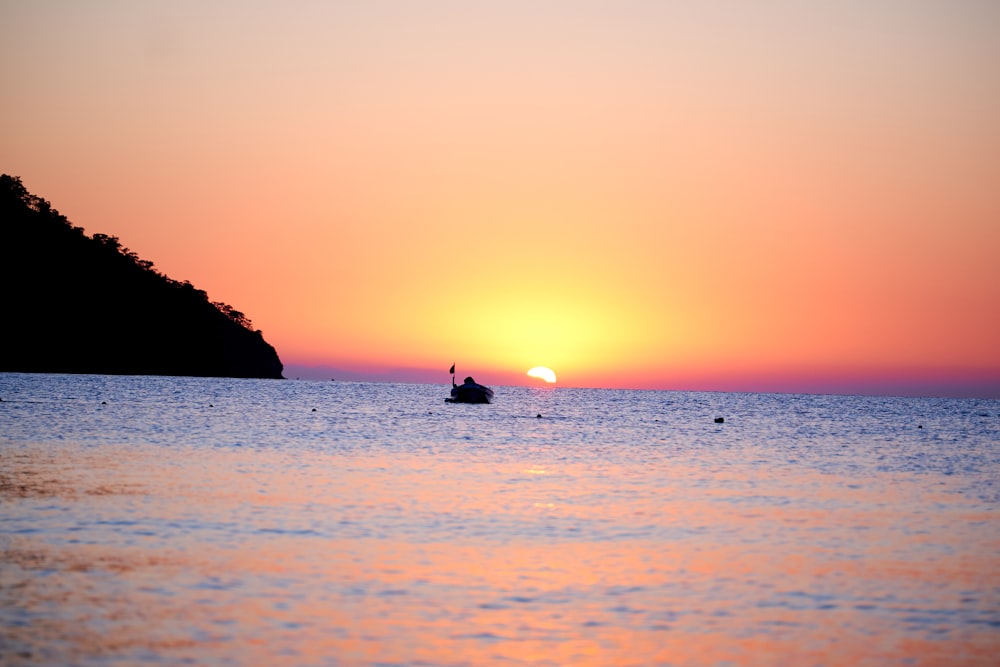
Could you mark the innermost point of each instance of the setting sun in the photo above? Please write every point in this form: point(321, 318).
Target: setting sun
point(543, 373)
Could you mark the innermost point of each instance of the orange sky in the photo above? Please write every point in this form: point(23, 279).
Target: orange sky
point(733, 195)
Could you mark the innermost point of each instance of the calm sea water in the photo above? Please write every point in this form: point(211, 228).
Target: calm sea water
point(170, 521)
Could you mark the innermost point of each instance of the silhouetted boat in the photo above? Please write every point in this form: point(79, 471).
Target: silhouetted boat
point(475, 393)
point(469, 391)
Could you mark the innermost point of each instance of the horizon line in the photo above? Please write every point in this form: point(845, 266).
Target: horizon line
point(956, 384)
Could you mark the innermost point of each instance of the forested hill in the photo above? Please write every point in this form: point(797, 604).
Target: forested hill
point(78, 304)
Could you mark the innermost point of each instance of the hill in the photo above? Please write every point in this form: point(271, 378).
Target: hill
point(79, 304)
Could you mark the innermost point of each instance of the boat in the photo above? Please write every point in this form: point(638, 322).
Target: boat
point(469, 391)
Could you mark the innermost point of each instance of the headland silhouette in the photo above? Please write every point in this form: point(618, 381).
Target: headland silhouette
point(79, 304)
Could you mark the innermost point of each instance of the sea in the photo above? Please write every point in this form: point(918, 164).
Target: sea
point(206, 521)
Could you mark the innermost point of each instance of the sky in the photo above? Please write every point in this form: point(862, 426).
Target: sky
point(735, 196)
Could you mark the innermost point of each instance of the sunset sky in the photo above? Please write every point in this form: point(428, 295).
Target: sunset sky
point(763, 195)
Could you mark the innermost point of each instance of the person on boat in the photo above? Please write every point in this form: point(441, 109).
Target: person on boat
point(468, 382)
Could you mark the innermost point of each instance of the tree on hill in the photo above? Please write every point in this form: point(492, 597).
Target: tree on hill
point(79, 304)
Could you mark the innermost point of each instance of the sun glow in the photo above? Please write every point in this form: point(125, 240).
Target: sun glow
point(543, 373)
